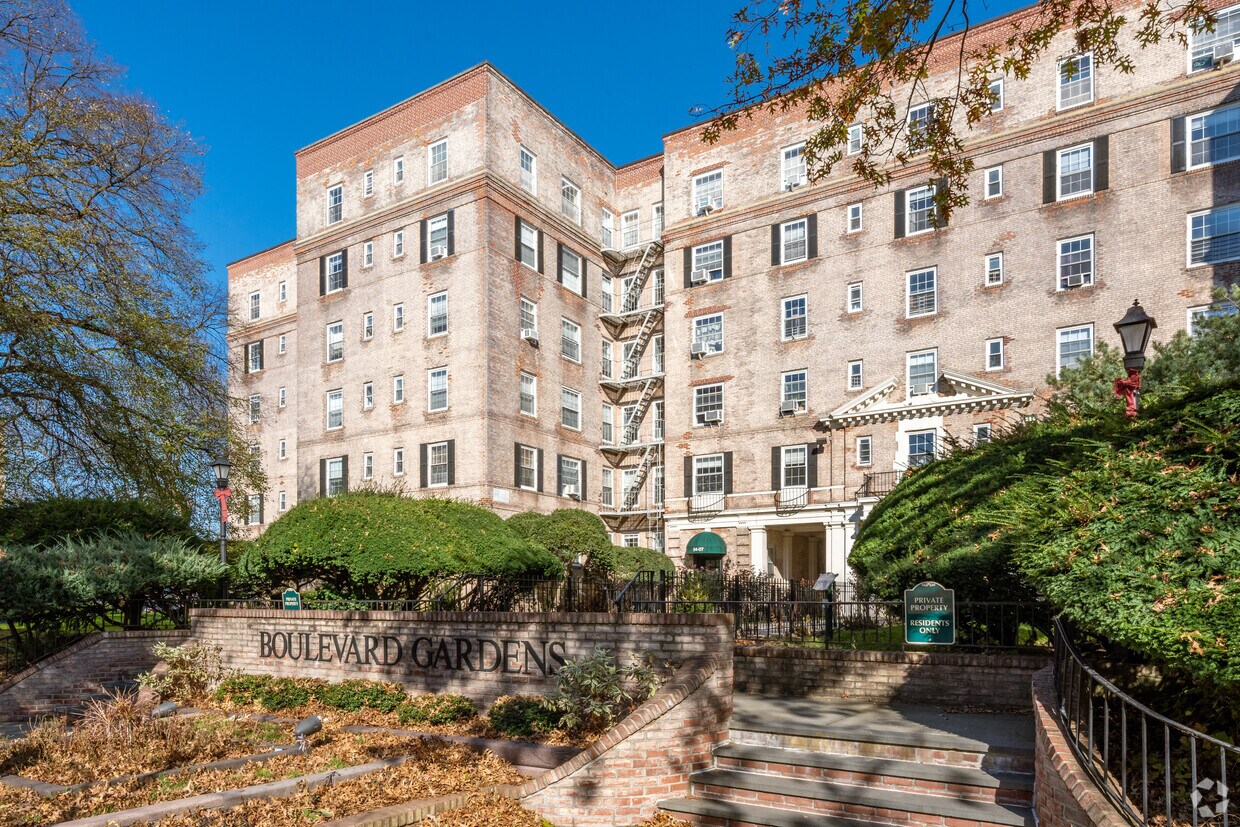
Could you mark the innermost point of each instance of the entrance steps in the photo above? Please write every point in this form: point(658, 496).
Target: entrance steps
point(800, 762)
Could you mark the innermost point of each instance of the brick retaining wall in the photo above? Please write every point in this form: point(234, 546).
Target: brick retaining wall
point(998, 681)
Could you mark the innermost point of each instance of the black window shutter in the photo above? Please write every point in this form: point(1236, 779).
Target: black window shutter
point(539, 460)
point(1179, 155)
point(581, 482)
point(540, 252)
point(559, 262)
point(688, 477)
point(452, 462)
point(776, 258)
point(516, 250)
point(811, 235)
point(776, 477)
point(940, 220)
point(323, 478)
point(423, 231)
point(811, 465)
point(322, 275)
point(344, 267)
point(727, 256)
point(1049, 171)
point(584, 281)
point(516, 464)
point(451, 232)
point(422, 470)
point(344, 474)
point(1102, 163)
point(559, 483)
point(727, 472)
point(688, 266)
point(261, 353)
point(899, 213)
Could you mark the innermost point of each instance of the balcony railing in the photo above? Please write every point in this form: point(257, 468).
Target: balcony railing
point(790, 499)
point(707, 505)
point(879, 484)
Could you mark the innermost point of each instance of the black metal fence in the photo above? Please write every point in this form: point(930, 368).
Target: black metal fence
point(1154, 770)
point(23, 644)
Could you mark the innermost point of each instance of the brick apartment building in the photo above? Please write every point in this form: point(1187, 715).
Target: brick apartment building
point(479, 305)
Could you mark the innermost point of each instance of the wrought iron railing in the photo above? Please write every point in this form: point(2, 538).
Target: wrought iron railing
point(880, 483)
point(1154, 770)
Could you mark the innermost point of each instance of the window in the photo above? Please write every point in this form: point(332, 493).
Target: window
point(708, 405)
point(609, 424)
point(437, 314)
point(856, 139)
point(398, 243)
point(282, 343)
point(529, 177)
point(1074, 343)
point(335, 272)
point(994, 182)
point(335, 410)
point(918, 124)
point(1205, 47)
point(1076, 262)
point(630, 230)
point(437, 159)
point(795, 315)
point(256, 408)
point(792, 386)
point(335, 477)
point(996, 95)
point(398, 462)
point(437, 464)
point(527, 467)
point(607, 228)
point(708, 474)
point(792, 167)
point(254, 515)
point(368, 466)
point(256, 305)
point(1214, 236)
point(994, 269)
point(1214, 137)
point(921, 210)
point(368, 395)
point(1076, 81)
point(708, 330)
point(529, 394)
point(608, 494)
point(282, 501)
point(254, 356)
point(368, 253)
point(368, 325)
point(708, 192)
point(335, 341)
point(1196, 315)
point(920, 448)
point(398, 318)
point(793, 466)
point(630, 540)
point(437, 389)
point(923, 370)
point(570, 408)
point(854, 218)
point(282, 291)
point(793, 241)
point(658, 421)
point(281, 397)
point(529, 246)
point(994, 354)
point(570, 476)
point(398, 390)
point(709, 258)
point(656, 221)
point(1075, 171)
point(856, 375)
point(437, 237)
point(398, 171)
point(865, 451)
point(570, 200)
point(981, 433)
point(368, 182)
point(570, 270)
point(605, 294)
point(854, 297)
point(570, 340)
point(335, 204)
point(922, 298)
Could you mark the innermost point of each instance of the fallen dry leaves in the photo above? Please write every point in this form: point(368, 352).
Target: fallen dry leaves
point(490, 810)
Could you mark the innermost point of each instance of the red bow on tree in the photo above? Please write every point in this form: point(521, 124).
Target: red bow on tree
point(1126, 389)
point(222, 494)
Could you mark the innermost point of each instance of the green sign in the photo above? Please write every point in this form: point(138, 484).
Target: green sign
point(930, 614)
point(292, 600)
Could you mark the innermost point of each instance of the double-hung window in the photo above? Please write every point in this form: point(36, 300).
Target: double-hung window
point(437, 314)
point(609, 424)
point(1214, 235)
point(529, 315)
point(922, 213)
point(708, 258)
point(607, 228)
point(398, 390)
point(792, 167)
point(865, 450)
point(335, 409)
point(398, 170)
point(368, 395)
point(922, 297)
point(437, 464)
point(335, 476)
point(994, 182)
point(398, 243)
point(570, 270)
point(254, 357)
point(981, 433)
point(570, 340)
point(856, 139)
point(1074, 344)
point(708, 405)
point(1076, 262)
point(708, 474)
point(793, 241)
point(793, 466)
point(282, 501)
point(335, 204)
point(854, 218)
point(529, 394)
point(282, 292)
point(281, 397)
point(918, 126)
point(368, 325)
point(1214, 137)
point(923, 370)
point(334, 266)
point(570, 200)
point(256, 305)
point(368, 182)
point(368, 466)
point(437, 389)
point(569, 474)
point(1076, 81)
point(437, 160)
point(398, 462)
point(437, 237)
point(708, 331)
point(1205, 47)
point(398, 318)
point(995, 87)
point(994, 269)
point(608, 493)
point(1196, 315)
point(920, 448)
point(368, 253)
point(795, 318)
point(529, 246)
point(994, 354)
point(256, 408)
point(1075, 174)
point(529, 177)
point(570, 408)
point(708, 192)
point(630, 229)
point(254, 515)
point(856, 375)
point(656, 221)
point(527, 467)
point(793, 389)
point(855, 297)
point(335, 341)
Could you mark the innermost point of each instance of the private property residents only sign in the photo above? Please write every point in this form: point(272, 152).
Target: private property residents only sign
point(930, 614)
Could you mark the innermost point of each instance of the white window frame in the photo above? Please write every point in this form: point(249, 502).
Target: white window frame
point(656, 220)
point(368, 396)
point(1225, 29)
point(1220, 209)
point(787, 462)
point(398, 317)
point(256, 408)
point(398, 243)
point(282, 501)
point(1059, 171)
point(630, 229)
point(856, 217)
point(437, 233)
point(434, 175)
point(398, 170)
point(335, 204)
point(933, 292)
point(1061, 279)
point(608, 430)
point(256, 305)
point(631, 539)
point(571, 279)
point(607, 490)
point(706, 181)
point(282, 343)
point(436, 382)
point(1059, 343)
point(856, 139)
point(281, 397)
point(368, 466)
point(528, 178)
point(997, 174)
point(254, 514)
point(991, 352)
point(254, 356)
point(398, 390)
point(437, 478)
point(532, 307)
point(864, 450)
point(713, 344)
point(532, 380)
point(699, 411)
point(855, 380)
point(978, 428)
point(704, 465)
point(1062, 81)
point(368, 183)
point(335, 482)
point(335, 410)
point(929, 190)
point(529, 228)
point(992, 263)
point(398, 462)
point(784, 378)
point(334, 337)
point(570, 200)
point(368, 326)
point(855, 297)
point(1223, 308)
point(933, 435)
point(433, 314)
point(997, 101)
point(335, 271)
point(524, 451)
point(700, 249)
point(282, 292)
point(1200, 121)
point(792, 171)
point(567, 394)
point(792, 303)
point(570, 340)
point(607, 228)
point(908, 370)
point(368, 254)
point(785, 242)
point(566, 462)
point(912, 134)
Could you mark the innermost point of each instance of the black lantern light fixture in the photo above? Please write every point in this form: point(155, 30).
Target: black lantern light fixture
point(1134, 330)
point(221, 467)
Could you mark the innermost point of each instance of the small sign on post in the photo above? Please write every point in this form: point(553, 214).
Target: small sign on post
point(930, 614)
point(292, 600)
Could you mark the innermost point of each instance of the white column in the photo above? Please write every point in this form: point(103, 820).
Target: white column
point(758, 556)
point(835, 548)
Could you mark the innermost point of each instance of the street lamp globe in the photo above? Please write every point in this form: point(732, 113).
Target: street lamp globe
point(221, 467)
point(1134, 330)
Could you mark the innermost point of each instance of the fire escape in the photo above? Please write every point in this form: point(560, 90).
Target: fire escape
point(634, 505)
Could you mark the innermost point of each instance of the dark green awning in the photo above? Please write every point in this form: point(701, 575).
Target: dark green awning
point(707, 543)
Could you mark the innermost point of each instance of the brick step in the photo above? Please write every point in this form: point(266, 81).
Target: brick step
point(712, 813)
point(850, 801)
point(970, 783)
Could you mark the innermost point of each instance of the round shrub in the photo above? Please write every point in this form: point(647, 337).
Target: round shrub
point(630, 560)
point(568, 533)
point(523, 716)
point(436, 709)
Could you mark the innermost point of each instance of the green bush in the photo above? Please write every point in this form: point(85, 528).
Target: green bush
point(440, 710)
point(522, 716)
point(194, 669)
point(274, 693)
point(594, 692)
point(568, 533)
point(352, 695)
point(283, 693)
point(47, 521)
point(629, 561)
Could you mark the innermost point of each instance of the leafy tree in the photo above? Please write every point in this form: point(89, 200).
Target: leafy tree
point(46, 521)
point(850, 63)
point(569, 533)
point(107, 322)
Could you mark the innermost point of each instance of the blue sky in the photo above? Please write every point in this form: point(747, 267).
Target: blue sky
point(255, 81)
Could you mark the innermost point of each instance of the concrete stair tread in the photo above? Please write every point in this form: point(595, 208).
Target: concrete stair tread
point(944, 773)
point(979, 811)
point(754, 813)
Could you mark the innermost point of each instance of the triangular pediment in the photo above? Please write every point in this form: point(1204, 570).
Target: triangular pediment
point(955, 392)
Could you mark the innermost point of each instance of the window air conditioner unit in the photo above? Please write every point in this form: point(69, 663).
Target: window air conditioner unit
point(791, 185)
point(1075, 280)
point(787, 408)
point(530, 334)
point(923, 388)
point(1203, 62)
point(572, 492)
point(697, 349)
point(712, 417)
point(438, 251)
point(699, 277)
point(704, 207)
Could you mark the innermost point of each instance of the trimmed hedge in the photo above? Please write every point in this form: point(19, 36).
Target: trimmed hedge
point(275, 694)
point(568, 533)
point(630, 560)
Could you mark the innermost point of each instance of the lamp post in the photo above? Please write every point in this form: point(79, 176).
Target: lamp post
point(1134, 331)
point(221, 467)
